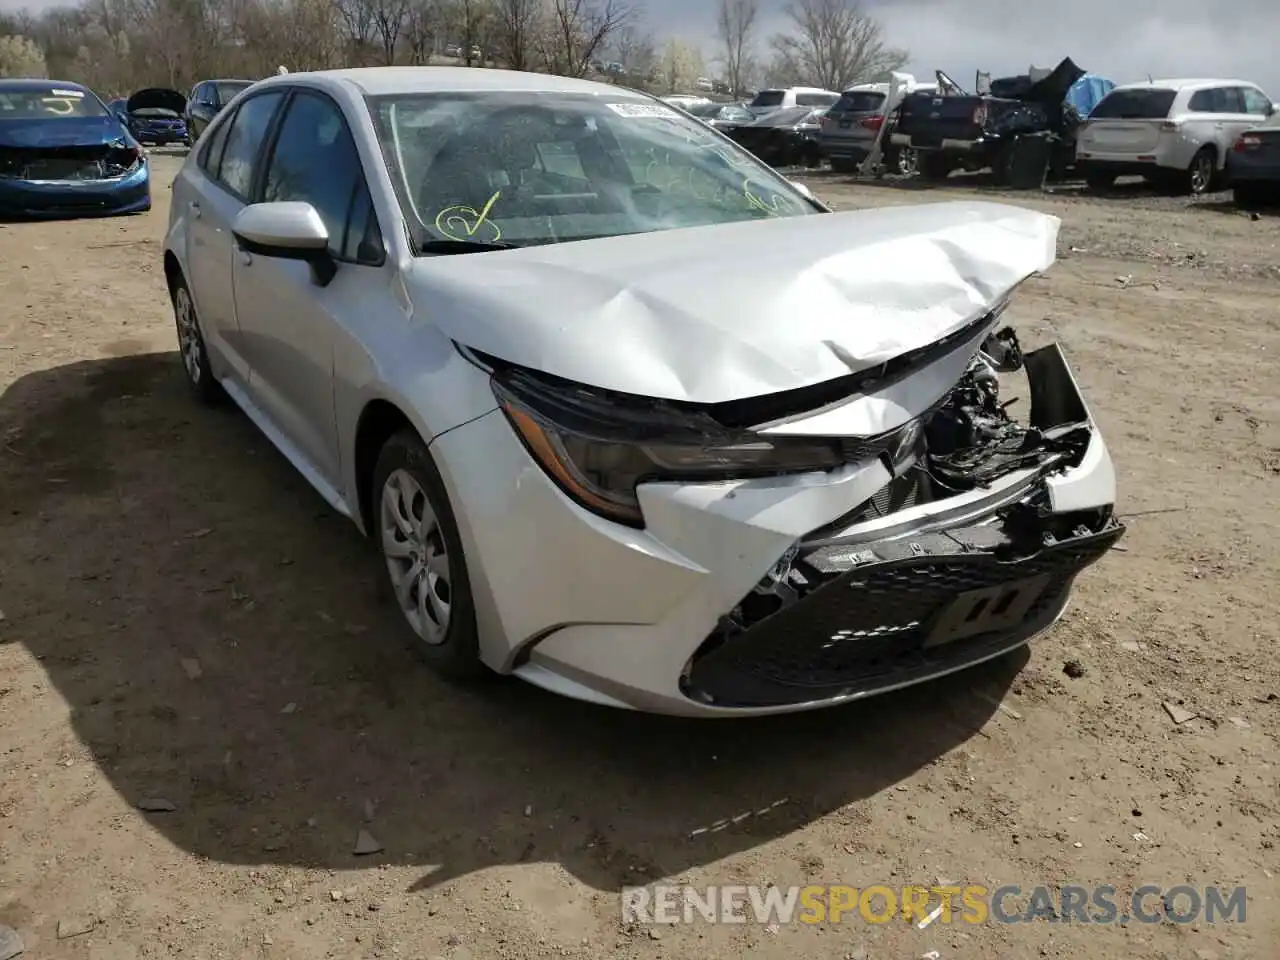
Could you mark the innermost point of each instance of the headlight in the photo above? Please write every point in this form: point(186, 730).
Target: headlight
point(597, 448)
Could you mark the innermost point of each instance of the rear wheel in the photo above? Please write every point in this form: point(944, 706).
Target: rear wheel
point(1201, 175)
point(906, 163)
point(843, 165)
point(1002, 166)
point(933, 166)
point(195, 357)
point(418, 539)
point(1099, 180)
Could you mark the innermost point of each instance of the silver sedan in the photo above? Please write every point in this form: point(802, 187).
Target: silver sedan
point(627, 414)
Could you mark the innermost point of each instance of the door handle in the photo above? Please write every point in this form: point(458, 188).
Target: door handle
point(194, 207)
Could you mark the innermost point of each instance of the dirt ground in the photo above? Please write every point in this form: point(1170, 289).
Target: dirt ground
point(142, 535)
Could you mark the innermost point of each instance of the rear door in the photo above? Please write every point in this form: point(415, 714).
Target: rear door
point(1127, 123)
point(211, 193)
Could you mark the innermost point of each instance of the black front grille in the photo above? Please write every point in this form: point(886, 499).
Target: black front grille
point(870, 627)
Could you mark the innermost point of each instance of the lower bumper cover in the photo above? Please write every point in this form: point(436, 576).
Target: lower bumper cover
point(899, 611)
point(39, 199)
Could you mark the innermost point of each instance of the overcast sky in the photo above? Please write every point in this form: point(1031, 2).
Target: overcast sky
point(1120, 39)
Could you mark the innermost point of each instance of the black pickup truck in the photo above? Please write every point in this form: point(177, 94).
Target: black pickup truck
point(953, 130)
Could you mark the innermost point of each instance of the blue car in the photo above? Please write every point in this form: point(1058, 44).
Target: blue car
point(63, 153)
point(154, 116)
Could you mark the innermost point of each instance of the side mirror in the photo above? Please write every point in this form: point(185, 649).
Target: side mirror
point(803, 190)
point(288, 230)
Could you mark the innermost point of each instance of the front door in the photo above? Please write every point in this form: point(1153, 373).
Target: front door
point(290, 323)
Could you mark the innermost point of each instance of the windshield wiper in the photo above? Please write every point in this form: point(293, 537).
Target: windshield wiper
point(465, 246)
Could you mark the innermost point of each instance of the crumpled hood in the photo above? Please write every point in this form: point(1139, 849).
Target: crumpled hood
point(157, 98)
point(719, 313)
point(61, 132)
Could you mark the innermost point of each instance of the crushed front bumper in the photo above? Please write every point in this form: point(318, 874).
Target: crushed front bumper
point(893, 612)
point(57, 199)
point(897, 589)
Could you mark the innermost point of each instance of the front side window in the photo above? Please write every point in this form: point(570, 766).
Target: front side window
point(247, 131)
point(536, 168)
point(49, 102)
point(816, 99)
point(224, 93)
point(315, 161)
point(769, 98)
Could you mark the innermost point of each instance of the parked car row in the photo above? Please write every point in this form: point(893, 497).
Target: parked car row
point(1184, 135)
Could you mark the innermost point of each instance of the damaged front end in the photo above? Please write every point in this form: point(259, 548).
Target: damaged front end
point(968, 552)
point(61, 164)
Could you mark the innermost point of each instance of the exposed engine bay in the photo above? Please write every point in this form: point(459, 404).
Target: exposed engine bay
point(976, 527)
point(75, 163)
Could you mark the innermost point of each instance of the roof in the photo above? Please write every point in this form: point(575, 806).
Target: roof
point(376, 81)
point(1183, 83)
point(35, 83)
point(797, 89)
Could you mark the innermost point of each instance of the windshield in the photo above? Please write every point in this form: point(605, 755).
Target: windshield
point(1144, 104)
point(228, 90)
point(769, 98)
point(48, 103)
point(524, 169)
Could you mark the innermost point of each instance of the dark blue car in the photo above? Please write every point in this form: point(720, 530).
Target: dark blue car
point(63, 153)
point(154, 116)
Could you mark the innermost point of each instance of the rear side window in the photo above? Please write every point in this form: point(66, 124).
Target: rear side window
point(769, 98)
point(244, 142)
point(859, 101)
point(1145, 104)
point(816, 99)
point(1217, 100)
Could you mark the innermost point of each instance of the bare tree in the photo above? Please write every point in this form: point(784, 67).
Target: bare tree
point(581, 30)
point(735, 29)
point(518, 25)
point(357, 19)
point(420, 24)
point(470, 21)
point(832, 43)
point(634, 49)
point(388, 22)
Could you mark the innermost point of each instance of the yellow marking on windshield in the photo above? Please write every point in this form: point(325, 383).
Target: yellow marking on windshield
point(59, 105)
point(462, 221)
point(772, 207)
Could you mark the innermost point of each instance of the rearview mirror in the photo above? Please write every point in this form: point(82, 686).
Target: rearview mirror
point(290, 230)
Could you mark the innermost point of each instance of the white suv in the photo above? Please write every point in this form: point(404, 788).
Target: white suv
point(1173, 132)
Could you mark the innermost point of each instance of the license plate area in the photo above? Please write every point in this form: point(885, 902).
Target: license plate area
point(988, 610)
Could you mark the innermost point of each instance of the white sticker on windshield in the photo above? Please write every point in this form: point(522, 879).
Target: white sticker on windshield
point(635, 111)
point(66, 93)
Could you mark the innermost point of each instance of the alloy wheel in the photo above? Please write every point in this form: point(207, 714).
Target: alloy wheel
point(1201, 173)
point(417, 558)
point(188, 333)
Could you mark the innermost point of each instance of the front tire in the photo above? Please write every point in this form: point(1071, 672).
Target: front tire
point(934, 167)
point(417, 537)
point(191, 348)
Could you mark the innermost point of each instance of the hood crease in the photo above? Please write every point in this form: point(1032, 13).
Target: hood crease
point(727, 312)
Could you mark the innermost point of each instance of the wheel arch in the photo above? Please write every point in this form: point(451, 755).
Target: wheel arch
point(379, 421)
